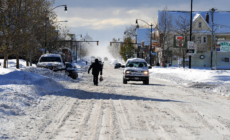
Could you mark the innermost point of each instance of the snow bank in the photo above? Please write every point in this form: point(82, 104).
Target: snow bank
point(216, 81)
point(21, 88)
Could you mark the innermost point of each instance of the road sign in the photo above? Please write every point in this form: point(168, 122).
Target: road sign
point(190, 52)
point(190, 48)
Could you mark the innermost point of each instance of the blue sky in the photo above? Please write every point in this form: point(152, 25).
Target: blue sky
point(107, 19)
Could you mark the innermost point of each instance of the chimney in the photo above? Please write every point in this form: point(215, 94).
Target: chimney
point(207, 18)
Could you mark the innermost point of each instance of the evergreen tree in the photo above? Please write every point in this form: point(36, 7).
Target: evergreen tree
point(127, 49)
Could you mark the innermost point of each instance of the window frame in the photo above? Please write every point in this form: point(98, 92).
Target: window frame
point(200, 24)
point(225, 58)
point(205, 39)
point(198, 39)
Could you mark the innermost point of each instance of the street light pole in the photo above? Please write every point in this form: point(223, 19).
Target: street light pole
point(150, 45)
point(48, 18)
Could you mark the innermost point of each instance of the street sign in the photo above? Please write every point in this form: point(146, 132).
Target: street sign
point(190, 52)
point(190, 48)
point(223, 45)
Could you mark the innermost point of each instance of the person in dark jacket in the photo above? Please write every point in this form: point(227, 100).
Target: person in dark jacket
point(96, 68)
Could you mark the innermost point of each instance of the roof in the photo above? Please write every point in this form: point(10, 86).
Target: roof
point(143, 34)
point(51, 55)
point(220, 18)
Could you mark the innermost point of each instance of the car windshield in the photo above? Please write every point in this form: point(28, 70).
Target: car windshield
point(136, 64)
point(69, 66)
point(50, 59)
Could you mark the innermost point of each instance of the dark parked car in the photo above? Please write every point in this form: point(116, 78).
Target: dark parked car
point(117, 65)
point(71, 71)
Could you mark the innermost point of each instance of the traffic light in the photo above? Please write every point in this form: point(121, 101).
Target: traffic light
point(110, 43)
point(97, 43)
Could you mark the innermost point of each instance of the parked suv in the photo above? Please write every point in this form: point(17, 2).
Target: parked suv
point(136, 70)
point(51, 61)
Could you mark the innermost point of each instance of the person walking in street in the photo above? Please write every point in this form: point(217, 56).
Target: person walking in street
point(96, 68)
point(86, 62)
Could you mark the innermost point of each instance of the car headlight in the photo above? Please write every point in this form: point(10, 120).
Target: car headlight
point(146, 73)
point(128, 72)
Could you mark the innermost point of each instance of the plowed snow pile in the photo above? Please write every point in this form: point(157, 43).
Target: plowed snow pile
point(212, 81)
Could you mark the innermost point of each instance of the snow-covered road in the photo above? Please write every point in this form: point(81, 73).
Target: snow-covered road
point(161, 110)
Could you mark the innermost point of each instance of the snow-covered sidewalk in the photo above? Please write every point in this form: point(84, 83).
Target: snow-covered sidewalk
point(213, 81)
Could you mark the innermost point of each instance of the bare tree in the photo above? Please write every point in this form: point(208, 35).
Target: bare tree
point(165, 28)
point(130, 31)
point(115, 48)
point(182, 28)
point(22, 21)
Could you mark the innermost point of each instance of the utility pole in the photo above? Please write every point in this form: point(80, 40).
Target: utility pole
point(150, 47)
point(215, 41)
point(190, 57)
point(212, 12)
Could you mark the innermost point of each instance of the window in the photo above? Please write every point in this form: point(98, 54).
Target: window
point(50, 59)
point(204, 39)
point(198, 39)
point(136, 64)
point(224, 59)
point(200, 25)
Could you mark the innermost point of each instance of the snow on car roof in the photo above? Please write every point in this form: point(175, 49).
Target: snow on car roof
point(51, 55)
point(136, 60)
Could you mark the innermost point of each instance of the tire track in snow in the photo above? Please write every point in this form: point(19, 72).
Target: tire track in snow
point(117, 131)
point(194, 117)
point(58, 120)
point(96, 127)
point(83, 127)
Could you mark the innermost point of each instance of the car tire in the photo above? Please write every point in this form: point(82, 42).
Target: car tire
point(146, 82)
point(124, 81)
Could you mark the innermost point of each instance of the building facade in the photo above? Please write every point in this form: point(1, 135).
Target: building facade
point(202, 28)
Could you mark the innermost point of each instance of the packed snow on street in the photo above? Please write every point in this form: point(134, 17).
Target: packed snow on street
point(178, 104)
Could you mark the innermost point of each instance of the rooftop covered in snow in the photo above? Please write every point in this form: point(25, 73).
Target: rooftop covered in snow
point(221, 19)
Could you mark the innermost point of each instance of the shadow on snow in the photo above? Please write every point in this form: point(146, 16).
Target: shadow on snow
point(84, 95)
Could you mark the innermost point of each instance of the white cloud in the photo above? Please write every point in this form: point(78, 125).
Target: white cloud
point(116, 12)
point(105, 18)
